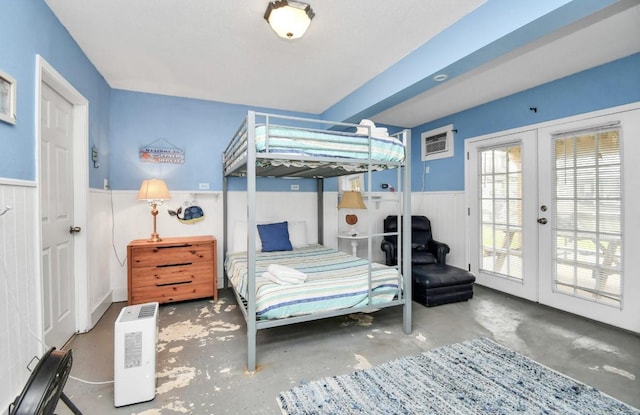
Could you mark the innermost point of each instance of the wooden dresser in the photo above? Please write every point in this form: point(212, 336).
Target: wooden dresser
point(173, 269)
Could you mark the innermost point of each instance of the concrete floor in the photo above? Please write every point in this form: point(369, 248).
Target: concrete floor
point(201, 359)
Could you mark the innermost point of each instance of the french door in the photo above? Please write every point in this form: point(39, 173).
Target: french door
point(503, 220)
point(546, 215)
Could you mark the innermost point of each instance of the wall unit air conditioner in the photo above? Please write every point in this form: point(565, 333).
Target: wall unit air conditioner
point(134, 354)
point(438, 143)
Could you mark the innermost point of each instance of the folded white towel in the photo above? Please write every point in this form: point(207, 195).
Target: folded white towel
point(283, 271)
point(363, 130)
point(380, 132)
point(282, 280)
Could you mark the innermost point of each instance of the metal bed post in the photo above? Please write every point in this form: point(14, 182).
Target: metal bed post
point(320, 196)
point(225, 241)
point(406, 234)
point(251, 242)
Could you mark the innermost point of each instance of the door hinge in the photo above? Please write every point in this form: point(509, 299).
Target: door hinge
point(469, 265)
point(468, 211)
point(467, 155)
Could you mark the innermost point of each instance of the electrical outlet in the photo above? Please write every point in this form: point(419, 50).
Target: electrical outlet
point(203, 186)
point(295, 187)
point(426, 170)
point(106, 184)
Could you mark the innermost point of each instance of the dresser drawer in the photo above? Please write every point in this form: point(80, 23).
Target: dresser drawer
point(170, 293)
point(173, 274)
point(172, 254)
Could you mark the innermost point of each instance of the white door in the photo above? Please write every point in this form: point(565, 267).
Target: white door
point(56, 199)
point(582, 259)
point(547, 214)
point(503, 238)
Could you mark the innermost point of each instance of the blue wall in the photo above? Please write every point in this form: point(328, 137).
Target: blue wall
point(605, 86)
point(201, 128)
point(29, 28)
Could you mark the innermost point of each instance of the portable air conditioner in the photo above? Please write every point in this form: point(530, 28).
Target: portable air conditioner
point(134, 354)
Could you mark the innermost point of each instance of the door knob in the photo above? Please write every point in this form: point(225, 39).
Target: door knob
point(74, 229)
point(542, 221)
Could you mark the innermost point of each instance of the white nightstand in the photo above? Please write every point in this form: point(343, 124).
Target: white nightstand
point(354, 240)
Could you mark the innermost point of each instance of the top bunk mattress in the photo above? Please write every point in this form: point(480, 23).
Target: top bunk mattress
point(282, 149)
point(313, 143)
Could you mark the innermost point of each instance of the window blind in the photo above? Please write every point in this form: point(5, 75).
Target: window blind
point(587, 225)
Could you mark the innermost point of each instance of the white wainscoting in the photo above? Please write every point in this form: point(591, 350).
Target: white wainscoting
point(447, 213)
point(446, 210)
point(20, 321)
point(99, 246)
point(275, 207)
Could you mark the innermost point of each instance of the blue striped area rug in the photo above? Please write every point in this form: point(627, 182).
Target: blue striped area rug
point(475, 377)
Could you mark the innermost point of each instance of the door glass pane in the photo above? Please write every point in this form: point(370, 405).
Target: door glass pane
point(501, 201)
point(587, 232)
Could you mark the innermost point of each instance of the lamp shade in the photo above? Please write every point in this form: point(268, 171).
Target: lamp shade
point(351, 200)
point(289, 19)
point(153, 189)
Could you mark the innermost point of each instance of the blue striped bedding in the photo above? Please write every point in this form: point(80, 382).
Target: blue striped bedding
point(335, 280)
point(288, 140)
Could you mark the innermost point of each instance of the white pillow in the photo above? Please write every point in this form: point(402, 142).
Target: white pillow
point(298, 234)
point(239, 243)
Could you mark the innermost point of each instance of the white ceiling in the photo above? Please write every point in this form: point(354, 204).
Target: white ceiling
point(594, 41)
point(223, 50)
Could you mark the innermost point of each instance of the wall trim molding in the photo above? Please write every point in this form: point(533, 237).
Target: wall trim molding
point(17, 182)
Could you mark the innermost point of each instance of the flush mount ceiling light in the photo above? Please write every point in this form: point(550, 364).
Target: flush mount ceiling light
point(440, 77)
point(288, 18)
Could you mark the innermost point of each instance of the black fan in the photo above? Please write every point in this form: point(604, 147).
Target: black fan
point(43, 390)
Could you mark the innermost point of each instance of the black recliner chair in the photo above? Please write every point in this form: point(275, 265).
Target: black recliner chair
point(424, 249)
point(433, 281)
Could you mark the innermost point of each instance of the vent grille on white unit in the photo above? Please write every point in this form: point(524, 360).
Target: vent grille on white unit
point(437, 143)
point(134, 354)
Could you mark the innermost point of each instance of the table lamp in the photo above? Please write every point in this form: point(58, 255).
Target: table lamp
point(154, 191)
point(351, 200)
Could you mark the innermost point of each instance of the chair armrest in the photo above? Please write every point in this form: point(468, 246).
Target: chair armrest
point(439, 250)
point(389, 251)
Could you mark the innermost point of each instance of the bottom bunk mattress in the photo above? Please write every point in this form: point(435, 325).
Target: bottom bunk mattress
point(334, 280)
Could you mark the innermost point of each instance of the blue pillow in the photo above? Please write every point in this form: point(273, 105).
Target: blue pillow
point(275, 237)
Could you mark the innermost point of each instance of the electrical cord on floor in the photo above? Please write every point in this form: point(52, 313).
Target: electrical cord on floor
point(89, 382)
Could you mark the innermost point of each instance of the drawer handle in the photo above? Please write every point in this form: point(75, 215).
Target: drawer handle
point(173, 283)
point(171, 246)
point(174, 265)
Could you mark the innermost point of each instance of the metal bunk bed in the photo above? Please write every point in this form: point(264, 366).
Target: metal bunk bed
point(242, 159)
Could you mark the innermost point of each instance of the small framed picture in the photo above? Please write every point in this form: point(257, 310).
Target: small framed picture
point(7, 98)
